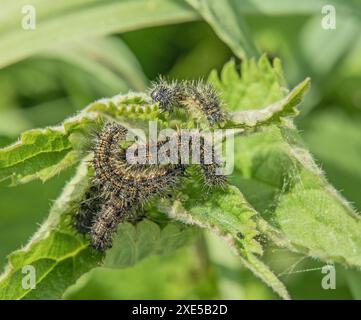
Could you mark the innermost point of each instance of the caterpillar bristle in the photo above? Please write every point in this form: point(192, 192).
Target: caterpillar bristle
point(128, 187)
point(121, 190)
point(88, 209)
point(188, 94)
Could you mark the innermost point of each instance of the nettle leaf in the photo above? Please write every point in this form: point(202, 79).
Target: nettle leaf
point(260, 85)
point(133, 243)
point(279, 177)
point(56, 251)
point(277, 191)
point(60, 255)
point(331, 227)
point(81, 19)
point(131, 110)
point(227, 214)
point(43, 153)
point(36, 149)
point(275, 112)
point(226, 20)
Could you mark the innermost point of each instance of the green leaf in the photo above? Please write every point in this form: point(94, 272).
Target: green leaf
point(280, 193)
point(60, 255)
point(36, 149)
point(79, 19)
point(43, 153)
point(108, 59)
point(306, 7)
point(133, 243)
point(354, 281)
point(275, 112)
point(226, 20)
point(179, 275)
point(261, 84)
point(57, 252)
point(280, 179)
point(68, 21)
point(260, 93)
point(344, 171)
point(227, 214)
point(338, 43)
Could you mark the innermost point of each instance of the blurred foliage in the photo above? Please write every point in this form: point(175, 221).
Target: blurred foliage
point(43, 89)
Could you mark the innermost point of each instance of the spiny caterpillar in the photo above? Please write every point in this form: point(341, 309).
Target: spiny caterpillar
point(119, 189)
point(126, 188)
point(188, 94)
point(212, 177)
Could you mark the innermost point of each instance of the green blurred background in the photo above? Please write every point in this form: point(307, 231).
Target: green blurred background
point(45, 88)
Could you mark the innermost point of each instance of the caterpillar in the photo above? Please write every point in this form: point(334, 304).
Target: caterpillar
point(209, 161)
point(211, 168)
point(188, 94)
point(127, 187)
point(122, 204)
point(113, 171)
point(88, 209)
point(120, 189)
point(138, 188)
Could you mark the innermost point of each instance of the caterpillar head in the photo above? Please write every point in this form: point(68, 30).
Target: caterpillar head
point(165, 94)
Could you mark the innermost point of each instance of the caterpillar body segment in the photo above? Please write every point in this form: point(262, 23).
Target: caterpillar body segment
point(189, 94)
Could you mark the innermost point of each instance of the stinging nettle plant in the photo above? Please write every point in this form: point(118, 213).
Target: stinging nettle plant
point(277, 192)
